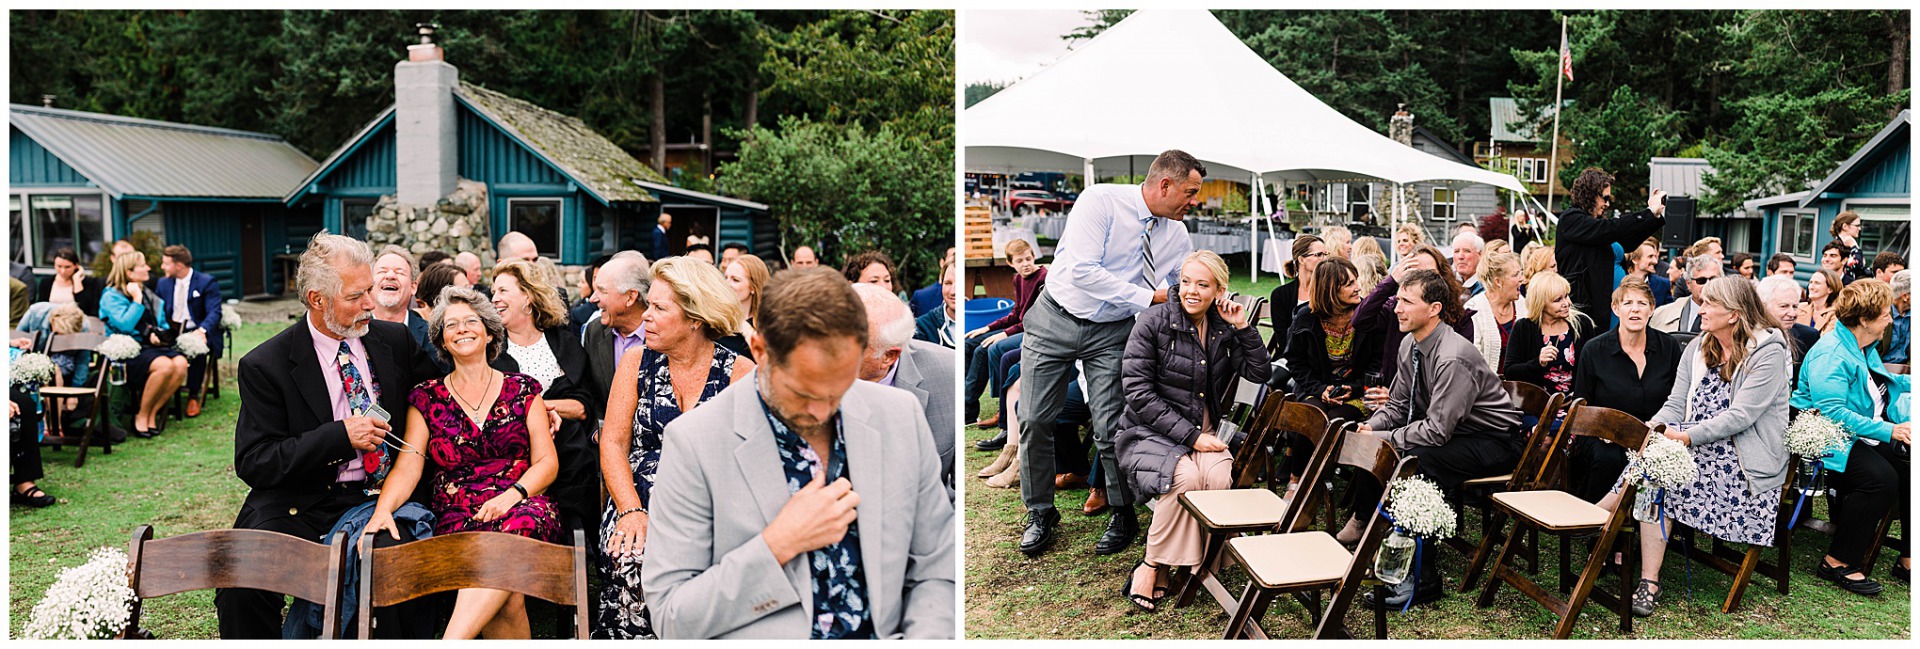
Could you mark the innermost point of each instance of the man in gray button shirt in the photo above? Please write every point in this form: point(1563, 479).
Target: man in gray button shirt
point(1120, 254)
point(1446, 408)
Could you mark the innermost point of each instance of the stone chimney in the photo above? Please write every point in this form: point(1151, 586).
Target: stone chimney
point(424, 123)
point(1400, 128)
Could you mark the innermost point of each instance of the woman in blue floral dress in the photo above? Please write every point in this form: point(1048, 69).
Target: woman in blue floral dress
point(689, 306)
point(1729, 406)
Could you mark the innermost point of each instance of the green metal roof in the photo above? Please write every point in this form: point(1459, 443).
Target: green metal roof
point(128, 156)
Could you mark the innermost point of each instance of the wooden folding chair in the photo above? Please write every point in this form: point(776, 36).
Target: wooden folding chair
point(1543, 443)
point(1742, 566)
point(96, 426)
point(258, 559)
point(1308, 421)
point(1566, 515)
point(1226, 513)
point(510, 562)
point(1303, 563)
point(1252, 457)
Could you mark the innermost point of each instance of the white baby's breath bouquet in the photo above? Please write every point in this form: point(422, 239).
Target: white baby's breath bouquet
point(192, 346)
point(229, 316)
point(119, 347)
point(1664, 464)
point(1418, 508)
point(89, 601)
point(32, 369)
point(1812, 435)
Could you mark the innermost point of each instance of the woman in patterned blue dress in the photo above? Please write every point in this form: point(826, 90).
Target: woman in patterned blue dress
point(1729, 405)
point(689, 307)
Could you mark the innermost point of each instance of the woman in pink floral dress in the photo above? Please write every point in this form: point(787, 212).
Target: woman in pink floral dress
point(490, 470)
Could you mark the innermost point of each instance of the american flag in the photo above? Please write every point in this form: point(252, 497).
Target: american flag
point(1566, 57)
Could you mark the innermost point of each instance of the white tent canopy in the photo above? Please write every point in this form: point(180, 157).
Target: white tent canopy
point(1178, 79)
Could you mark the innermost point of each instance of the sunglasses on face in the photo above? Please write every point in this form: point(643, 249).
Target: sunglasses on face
point(1607, 197)
point(1703, 280)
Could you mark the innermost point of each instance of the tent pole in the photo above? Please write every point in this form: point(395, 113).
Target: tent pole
point(1396, 222)
point(1253, 228)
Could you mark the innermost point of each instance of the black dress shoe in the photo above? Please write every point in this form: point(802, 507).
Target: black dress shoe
point(994, 443)
point(1039, 532)
point(1838, 575)
point(1902, 573)
point(1121, 528)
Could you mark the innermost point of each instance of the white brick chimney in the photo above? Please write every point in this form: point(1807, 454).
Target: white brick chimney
point(424, 123)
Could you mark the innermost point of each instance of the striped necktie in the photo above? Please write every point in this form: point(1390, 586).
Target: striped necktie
point(1146, 253)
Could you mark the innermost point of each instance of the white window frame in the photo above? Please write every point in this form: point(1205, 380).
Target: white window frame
point(1526, 169)
point(1349, 211)
point(1453, 206)
point(560, 233)
point(1789, 216)
point(1851, 203)
point(26, 208)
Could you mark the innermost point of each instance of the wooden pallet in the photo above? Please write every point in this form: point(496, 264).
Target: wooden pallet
point(979, 239)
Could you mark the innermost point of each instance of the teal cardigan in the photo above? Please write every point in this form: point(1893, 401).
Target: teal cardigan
point(122, 316)
point(1835, 379)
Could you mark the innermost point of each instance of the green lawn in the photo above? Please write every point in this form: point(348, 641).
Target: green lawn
point(179, 482)
point(1071, 593)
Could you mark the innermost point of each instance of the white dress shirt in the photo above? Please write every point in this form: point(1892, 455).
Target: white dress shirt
point(181, 287)
point(1098, 269)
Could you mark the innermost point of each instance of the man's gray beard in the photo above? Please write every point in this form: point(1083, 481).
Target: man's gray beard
point(380, 298)
point(346, 332)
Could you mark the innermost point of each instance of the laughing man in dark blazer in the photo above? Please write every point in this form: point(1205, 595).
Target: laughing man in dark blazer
point(301, 428)
point(192, 299)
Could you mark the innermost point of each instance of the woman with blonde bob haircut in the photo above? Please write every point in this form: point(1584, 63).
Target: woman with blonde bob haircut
point(690, 308)
point(131, 308)
point(1543, 346)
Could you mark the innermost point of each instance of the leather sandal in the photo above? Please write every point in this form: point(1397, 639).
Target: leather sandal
point(1644, 597)
point(1143, 602)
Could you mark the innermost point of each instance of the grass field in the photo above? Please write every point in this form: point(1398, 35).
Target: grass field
point(1071, 593)
point(179, 482)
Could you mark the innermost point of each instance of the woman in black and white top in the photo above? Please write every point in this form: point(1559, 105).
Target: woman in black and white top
point(541, 345)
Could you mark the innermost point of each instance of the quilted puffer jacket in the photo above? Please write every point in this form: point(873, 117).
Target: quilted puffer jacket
point(1166, 379)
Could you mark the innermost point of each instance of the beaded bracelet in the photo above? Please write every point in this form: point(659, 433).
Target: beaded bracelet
point(623, 513)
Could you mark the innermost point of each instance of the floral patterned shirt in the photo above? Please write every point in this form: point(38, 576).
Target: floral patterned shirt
point(839, 583)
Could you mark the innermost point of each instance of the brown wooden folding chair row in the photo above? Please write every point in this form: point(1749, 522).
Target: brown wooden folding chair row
point(1225, 513)
point(1303, 563)
point(1565, 515)
point(290, 565)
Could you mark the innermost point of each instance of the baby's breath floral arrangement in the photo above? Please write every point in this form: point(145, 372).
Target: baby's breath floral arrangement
point(119, 347)
point(1418, 508)
point(191, 346)
point(1812, 435)
point(90, 601)
point(32, 369)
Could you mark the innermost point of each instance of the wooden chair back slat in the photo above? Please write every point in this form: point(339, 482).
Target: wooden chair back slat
point(509, 562)
point(236, 558)
point(1303, 419)
point(1332, 623)
point(1589, 420)
point(1370, 453)
point(1542, 443)
point(1529, 398)
point(1300, 512)
point(1259, 429)
point(83, 341)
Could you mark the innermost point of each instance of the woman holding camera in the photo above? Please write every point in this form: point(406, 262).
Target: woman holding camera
point(1178, 376)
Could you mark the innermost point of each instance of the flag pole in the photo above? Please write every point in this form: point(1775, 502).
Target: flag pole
point(1559, 79)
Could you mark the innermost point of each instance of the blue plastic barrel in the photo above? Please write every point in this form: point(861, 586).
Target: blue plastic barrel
point(983, 311)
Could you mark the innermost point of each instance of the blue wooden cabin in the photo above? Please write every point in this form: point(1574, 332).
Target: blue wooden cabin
point(81, 180)
point(1874, 182)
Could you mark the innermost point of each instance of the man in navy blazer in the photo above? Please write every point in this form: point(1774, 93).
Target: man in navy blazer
point(660, 236)
point(193, 300)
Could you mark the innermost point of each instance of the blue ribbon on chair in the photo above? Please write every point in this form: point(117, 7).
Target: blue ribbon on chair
point(1811, 480)
point(1414, 574)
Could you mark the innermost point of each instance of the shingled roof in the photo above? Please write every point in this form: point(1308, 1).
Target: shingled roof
point(582, 154)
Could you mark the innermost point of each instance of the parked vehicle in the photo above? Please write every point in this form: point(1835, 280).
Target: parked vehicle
point(1028, 201)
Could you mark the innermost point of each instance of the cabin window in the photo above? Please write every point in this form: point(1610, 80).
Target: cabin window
point(539, 219)
point(353, 217)
point(1443, 203)
point(66, 221)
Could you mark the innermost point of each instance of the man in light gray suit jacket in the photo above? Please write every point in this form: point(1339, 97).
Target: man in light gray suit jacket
point(802, 502)
point(925, 370)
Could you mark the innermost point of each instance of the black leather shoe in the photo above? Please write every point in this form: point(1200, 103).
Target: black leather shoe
point(1121, 528)
point(1039, 532)
point(1838, 575)
point(1902, 573)
point(994, 443)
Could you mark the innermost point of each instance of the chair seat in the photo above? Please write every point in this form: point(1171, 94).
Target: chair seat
point(1553, 510)
point(1228, 508)
point(1495, 480)
point(58, 391)
point(1292, 560)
